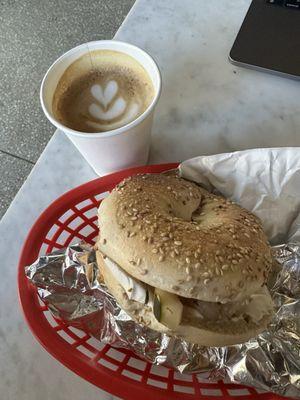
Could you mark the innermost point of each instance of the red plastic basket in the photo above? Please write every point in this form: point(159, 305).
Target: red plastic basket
point(71, 218)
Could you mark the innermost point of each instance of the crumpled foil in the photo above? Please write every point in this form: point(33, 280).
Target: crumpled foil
point(67, 281)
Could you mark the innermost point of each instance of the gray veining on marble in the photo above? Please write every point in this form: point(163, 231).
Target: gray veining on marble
point(27, 372)
point(207, 106)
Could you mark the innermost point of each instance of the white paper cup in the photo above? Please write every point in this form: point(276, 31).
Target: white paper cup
point(117, 149)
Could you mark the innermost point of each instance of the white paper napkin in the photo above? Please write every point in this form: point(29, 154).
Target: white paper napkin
point(264, 181)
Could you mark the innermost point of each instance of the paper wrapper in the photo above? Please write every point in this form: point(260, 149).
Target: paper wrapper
point(67, 281)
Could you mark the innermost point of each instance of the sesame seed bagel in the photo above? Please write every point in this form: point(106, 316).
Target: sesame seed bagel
point(174, 235)
point(211, 326)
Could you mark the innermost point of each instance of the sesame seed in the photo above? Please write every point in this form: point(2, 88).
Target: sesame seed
point(144, 272)
point(188, 261)
point(134, 218)
point(165, 239)
point(150, 240)
point(218, 252)
point(197, 265)
point(187, 270)
point(206, 274)
point(172, 254)
point(217, 271)
point(169, 188)
point(239, 255)
point(196, 254)
point(144, 238)
point(178, 243)
point(176, 251)
point(221, 258)
point(247, 236)
point(154, 250)
point(189, 278)
point(138, 261)
point(225, 267)
point(129, 213)
point(234, 262)
point(132, 234)
point(206, 281)
point(161, 258)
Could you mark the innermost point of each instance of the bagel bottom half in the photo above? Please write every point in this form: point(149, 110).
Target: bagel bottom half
point(198, 327)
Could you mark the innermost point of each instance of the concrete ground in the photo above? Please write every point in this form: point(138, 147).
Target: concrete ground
point(33, 33)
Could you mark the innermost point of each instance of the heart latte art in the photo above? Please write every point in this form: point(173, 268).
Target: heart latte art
point(109, 106)
point(101, 91)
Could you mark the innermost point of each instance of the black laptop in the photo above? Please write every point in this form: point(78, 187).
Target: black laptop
point(269, 38)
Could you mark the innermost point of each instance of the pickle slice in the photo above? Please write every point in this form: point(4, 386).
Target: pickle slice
point(167, 308)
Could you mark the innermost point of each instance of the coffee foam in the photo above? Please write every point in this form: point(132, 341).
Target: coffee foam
point(101, 91)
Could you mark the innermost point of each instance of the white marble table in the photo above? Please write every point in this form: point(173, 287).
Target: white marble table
point(207, 106)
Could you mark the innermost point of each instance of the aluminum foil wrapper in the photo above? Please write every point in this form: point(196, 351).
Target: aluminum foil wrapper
point(67, 281)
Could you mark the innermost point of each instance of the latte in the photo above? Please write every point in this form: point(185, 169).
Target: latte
point(101, 91)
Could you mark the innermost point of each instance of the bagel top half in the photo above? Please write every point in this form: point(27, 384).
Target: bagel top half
point(176, 236)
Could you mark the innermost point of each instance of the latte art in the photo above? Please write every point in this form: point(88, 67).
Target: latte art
point(101, 91)
point(109, 106)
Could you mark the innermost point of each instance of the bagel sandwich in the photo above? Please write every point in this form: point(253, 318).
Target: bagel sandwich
point(184, 261)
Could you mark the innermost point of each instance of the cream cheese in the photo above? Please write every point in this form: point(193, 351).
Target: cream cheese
point(134, 289)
